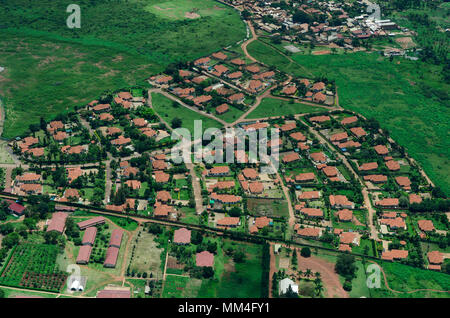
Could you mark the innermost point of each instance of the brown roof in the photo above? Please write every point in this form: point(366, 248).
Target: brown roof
point(91, 222)
point(426, 225)
point(226, 198)
point(128, 171)
point(159, 164)
point(204, 259)
point(234, 75)
point(222, 108)
point(140, 122)
point(229, 221)
point(339, 200)
point(435, 257)
point(319, 97)
point(163, 196)
point(291, 157)
point(121, 140)
point(404, 182)
point(318, 156)
point(133, 184)
point(298, 136)
point(330, 171)
point(307, 176)
point(161, 176)
point(393, 165)
point(237, 61)
point(312, 212)
point(320, 119)
point(349, 120)
point(288, 126)
point(113, 130)
point(253, 68)
point(182, 236)
point(84, 254)
point(89, 235)
point(58, 222)
point(358, 131)
point(307, 195)
point(414, 198)
point(219, 170)
point(71, 193)
point(116, 238)
point(387, 202)
point(394, 254)
point(318, 86)
point(339, 136)
point(289, 90)
point(162, 210)
point(256, 187)
point(309, 232)
point(111, 256)
point(376, 178)
point(264, 75)
point(28, 177)
point(263, 221)
point(250, 173)
point(219, 55)
point(368, 166)
point(345, 247)
point(381, 149)
point(236, 97)
point(345, 215)
point(347, 237)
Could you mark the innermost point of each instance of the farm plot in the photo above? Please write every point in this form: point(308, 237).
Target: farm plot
point(34, 266)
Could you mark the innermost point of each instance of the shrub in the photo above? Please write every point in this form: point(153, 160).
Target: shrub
point(305, 252)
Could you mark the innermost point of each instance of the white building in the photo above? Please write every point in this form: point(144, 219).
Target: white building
point(285, 284)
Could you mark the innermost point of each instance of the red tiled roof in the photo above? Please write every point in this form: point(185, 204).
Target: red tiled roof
point(250, 173)
point(222, 108)
point(58, 222)
point(298, 136)
point(163, 196)
point(345, 215)
point(339, 200)
point(435, 257)
point(426, 225)
point(387, 202)
point(308, 195)
point(182, 236)
point(393, 165)
point(307, 176)
point(414, 198)
point(312, 212)
point(376, 178)
point(219, 170)
point(320, 119)
point(318, 156)
point(394, 254)
point(309, 232)
point(91, 222)
point(204, 259)
point(89, 235)
point(111, 256)
point(381, 150)
point(368, 166)
point(330, 171)
point(358, 131)
point(84, 254)
point(116, 238)
point(349, 120)
point(256, 187)
point(293, 156)
point(339, 136)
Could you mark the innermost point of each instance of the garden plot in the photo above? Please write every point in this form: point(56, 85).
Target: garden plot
point(34, 266)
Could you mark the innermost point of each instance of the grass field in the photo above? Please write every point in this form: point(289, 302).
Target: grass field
point(164, 107)
point(50, 68)
point(408, 98)
point(406, 278)
point(241, 280)
point(276, 107)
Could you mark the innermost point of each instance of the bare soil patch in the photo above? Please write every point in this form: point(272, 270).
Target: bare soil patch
point(191, 15)
point(406, 42)
point(329, 277)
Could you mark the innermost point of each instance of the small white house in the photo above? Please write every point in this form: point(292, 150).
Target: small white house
point(284, 286)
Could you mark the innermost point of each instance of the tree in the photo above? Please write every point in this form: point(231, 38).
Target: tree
point(235, 212)
point(10, 240)
point(305, 252)
point(176, 122)
point(345, 266)
point(239, 256)
point(2, 293)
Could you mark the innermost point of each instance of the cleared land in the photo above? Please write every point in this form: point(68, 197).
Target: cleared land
point(277, 107)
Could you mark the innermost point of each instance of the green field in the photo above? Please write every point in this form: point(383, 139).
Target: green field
point(164, 107)
point(276, 107)
point(409, 98)
point(50, 68)
point(405, 279)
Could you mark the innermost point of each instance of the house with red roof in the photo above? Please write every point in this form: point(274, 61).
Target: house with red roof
point(204, 259)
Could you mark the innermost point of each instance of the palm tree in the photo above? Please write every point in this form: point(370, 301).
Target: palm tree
point(308, 273)
point(317, 274)
point(319, 289)
point(318, 281)
point(300, 273)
